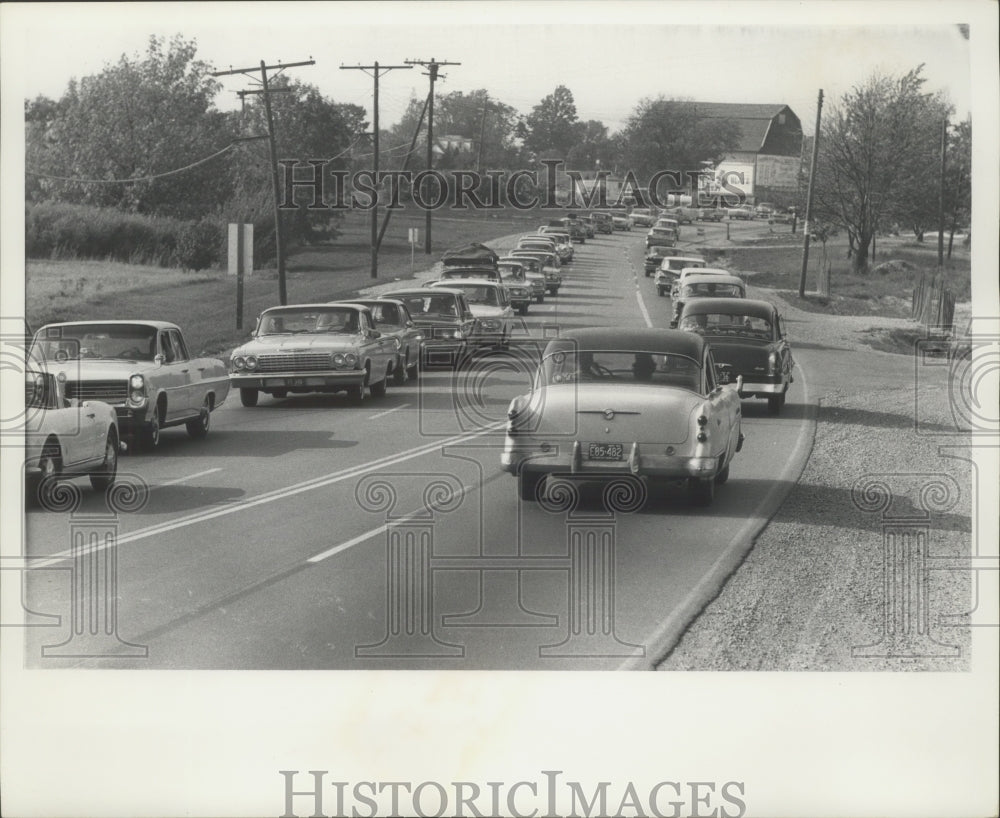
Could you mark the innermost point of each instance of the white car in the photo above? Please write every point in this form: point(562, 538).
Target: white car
point(670, 270)
point(491, 308)
point(64, 437)
point(628, 404)
point(686, 271)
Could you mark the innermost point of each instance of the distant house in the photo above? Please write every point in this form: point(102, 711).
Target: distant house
point(452, 144)
point(767, 154)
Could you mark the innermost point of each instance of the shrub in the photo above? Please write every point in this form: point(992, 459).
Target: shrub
point(197, 245)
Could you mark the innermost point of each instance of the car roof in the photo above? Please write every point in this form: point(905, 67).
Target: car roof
point(122, 322)
point(422, 291)
point(714, 279)
point(743, 306)
point(474, 282)
point(317, 306)
point(691, 258)
point(677, 342)
point(371, 302)
point(705, 271)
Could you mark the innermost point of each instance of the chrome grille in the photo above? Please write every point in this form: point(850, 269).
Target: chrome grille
point(107, 391)
point(294, 362)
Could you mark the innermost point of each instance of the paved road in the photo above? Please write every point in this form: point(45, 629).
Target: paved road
point(267, 545)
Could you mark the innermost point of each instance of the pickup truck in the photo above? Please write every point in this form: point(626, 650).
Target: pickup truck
point(141, 368)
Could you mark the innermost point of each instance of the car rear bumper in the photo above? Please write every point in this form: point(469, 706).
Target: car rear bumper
point(297, 380)
point(636, 459)
point(756, 388)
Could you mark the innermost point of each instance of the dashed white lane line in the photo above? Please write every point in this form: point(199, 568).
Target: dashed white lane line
point(388, 412)
point(177, 480)
point(642, 307)
point(330, 552)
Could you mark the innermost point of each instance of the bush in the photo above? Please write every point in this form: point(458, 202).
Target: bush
point(198, 245)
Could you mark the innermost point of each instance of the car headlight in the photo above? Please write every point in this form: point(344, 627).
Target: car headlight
point(339, 360)
point(239, 362)
point(136, 382)
point(351, 360)
point(251, 361)
point(137, 389)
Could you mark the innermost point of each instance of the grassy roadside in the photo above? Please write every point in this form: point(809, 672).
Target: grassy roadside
point(204, 303)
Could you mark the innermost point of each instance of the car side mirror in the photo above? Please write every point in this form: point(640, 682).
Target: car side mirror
point(739, 384)
point(374, 333)
point(410, 324)
point(159, 358)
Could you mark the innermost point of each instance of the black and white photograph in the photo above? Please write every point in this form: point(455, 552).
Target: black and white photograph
point(500, 409)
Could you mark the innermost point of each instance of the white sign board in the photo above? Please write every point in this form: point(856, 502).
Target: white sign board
point(778, 171)
point(240, 249)
point(414, 235)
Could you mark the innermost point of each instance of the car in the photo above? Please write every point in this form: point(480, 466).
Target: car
point(576, 231)
point(533, 275)
point(763, 210)
point(564, 242)
point(621, 221)
point(444, 317)
point(393, 320)
point(742, 212)
point(748, 341)
point(661, 236)
point(710, 214)
point(668, 221)
point(705, 286)
point(585, 221)
point(65, 437)
point(781, 217)
point(491, 307)
point(142, 368)
point(612, 402)
point(519, 289)
point(473, 254)
point(549, 244)
point(553, 281)
point(683, 214)
point(303, 348)
point(695, 269)
point(603, 222)
point(655, 255)
point(486, 273)
point(670, 270)
point(643, 217)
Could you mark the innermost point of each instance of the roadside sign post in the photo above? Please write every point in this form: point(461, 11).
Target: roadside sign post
point(414, 239)
point(240, 262)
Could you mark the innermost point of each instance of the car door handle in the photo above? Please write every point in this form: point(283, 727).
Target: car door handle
point(201, 369)
point(91, 415)
point(184, 372)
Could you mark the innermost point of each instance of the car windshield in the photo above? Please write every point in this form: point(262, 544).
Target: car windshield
point(121, 342)
point(710, 289)
point(622, 366)
point(486, 296)
point(734, 325)
point(309, 320)
point(443, 304)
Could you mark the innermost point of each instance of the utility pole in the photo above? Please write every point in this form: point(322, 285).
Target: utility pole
point(809, 198)
point(944, 148)
point(406, 164)
point(482, 134)
point(266, 92)
point(432, 66)
point(374, 71)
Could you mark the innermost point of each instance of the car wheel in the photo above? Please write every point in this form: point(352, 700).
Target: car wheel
point(377, 390)
point(722, 476)
point(103, 479)
point(249, 396)
point(702, 490)
point(529, 484)
point(775, 402)
point(149, 435)
point(399, 374)
point(40, 487)
point(356, 394)
point(648, 273)
point(659, 291)
point(413, 370)
point(522, 310)
point(540, 299)
point(199, 428)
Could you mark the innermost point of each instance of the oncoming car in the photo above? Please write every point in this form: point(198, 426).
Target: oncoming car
point(306, 348)
point(613, 402)
point(748, 342)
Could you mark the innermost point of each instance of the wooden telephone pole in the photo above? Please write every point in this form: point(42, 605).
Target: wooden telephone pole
point(809, 198)
point(266, 91)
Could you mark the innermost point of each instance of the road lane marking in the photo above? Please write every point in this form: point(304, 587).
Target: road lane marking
point(420, 512)
point(278, 494)
point(642, 307)
point(177, 480)
point(387, 412)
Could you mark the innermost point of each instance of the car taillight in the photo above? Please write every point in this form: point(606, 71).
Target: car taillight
point(772, 363)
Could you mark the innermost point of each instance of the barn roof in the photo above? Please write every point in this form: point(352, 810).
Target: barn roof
point(754, 120)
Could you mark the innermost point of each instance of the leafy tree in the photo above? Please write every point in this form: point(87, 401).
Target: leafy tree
point(958, 180)
point(592, 145)
point(139, 117)
point(551, 127)
point(877, 157)
point(670, 134)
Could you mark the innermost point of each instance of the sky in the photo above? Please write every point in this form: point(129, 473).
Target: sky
point(609, 55)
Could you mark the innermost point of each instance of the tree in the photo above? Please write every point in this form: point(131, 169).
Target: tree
point(669, 134)
point(551, 125)
point(877, 157)
point(140, 117)
point(958, 181)
point(593, 146)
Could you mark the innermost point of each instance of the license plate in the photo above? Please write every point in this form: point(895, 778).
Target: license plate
point(605, 451)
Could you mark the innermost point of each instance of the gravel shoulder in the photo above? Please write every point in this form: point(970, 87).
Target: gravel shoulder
point(813, 592)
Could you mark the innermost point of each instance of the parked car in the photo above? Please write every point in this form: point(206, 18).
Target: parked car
point(491, 307)
point(748, 341)
point(142, 368)
point(612, 402)
point(781, 217)
point(643, 217)
point(533, 275)
point(743, 212)
point(710, 214)
point(655, 255)
point(444, 317)
point(65, 437)
point(393, 320)
point(661, 237)
point(670, 270)
point(302, 348)
point(763, 210)
point(706, 286)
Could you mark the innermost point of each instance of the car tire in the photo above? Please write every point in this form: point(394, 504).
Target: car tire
point(774, 403)
point(356, 394)
point(40, 487)
point(399, 374)
point(149, 433)
point(659, 291)
point(722, 476)
point(104, 478)
point(198, 428)
point(702, 491)
point(529, 485)
point(413, 370)
point(249, 396)
point(648, 273)
point(377, 390)
point(540, 299)
point(522, 310)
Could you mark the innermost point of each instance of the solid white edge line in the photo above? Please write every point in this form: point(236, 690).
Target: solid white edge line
point(184, 479)
point(642, 307)
point(666, 637)
point(387, 412)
